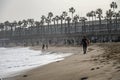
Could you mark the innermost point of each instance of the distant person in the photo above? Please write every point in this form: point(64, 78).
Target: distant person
point(85, 43)
point(46, 46)
point(43, 46)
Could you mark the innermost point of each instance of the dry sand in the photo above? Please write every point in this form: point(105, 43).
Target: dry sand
point(92, 66)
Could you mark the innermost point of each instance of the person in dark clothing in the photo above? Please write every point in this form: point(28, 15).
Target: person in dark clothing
point(43, 46)
point(84, 43)
point(46, 46)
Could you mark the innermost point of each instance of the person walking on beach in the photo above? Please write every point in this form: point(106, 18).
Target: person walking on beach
point(43, 46)
point(85, 43)
point(46, 46)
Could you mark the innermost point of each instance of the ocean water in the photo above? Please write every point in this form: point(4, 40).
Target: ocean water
point(16, 60)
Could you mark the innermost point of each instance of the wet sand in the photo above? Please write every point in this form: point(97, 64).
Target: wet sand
point(91, 66)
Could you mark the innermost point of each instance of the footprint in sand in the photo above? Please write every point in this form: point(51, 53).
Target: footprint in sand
point(84, 78)
point(117, 67)
point(118, 71)
point(95, 68)
point(25, 75)
point(92, 68)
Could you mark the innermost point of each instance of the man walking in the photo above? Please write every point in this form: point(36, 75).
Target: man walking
point(84, 43)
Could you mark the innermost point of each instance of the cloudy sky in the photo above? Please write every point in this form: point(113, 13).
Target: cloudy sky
point(22, 9)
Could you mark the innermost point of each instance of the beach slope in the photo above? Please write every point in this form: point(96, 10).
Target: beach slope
point(91, 66)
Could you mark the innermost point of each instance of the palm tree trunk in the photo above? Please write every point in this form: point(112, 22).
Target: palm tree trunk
point(100, 24)
point(11, 30)
point(61, 26)
point(68, 27)
point(57, 27)
point(72, 17)
point(54, 27)
point(75, 26)
point(110, 29)
point(116, 23)
point(84, 26)
point(92, 26)
point(89, 24)
point(48, 28)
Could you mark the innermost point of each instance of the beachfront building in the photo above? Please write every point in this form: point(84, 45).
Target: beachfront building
point(58, 34)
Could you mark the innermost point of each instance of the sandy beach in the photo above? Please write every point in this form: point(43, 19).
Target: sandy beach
point(102, 62)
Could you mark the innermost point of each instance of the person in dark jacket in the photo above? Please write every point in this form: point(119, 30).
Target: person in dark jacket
point(85, 43)
point(43, 46)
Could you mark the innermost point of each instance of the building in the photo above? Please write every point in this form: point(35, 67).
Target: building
point(67, 33)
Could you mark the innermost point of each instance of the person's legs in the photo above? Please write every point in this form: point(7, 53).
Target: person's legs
point(84, 49)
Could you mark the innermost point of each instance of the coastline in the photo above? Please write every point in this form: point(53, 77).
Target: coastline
point(75, 67)
point(27, 58)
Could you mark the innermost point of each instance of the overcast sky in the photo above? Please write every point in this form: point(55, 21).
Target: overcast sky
point(23, 9)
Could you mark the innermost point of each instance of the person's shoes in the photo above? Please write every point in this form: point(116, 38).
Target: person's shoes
point(84, 53)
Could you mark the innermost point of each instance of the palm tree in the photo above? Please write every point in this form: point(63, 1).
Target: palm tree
point(50, 15)
point(25, 23)
point(93, 14)
point(2, 32)
point(109, 15)
point(43, 29)
point(37, 24)
point(76, 17)
point(88, 15)
point(72, 10)
point(20, 24)
point(6, 23)
point(68, 19)
point(43, 18)
point(64, 14)
point(31, 22)
point(48, 21)
point(1, 26)
point(31, 25)
point(119, 16)
point(14, 25)
point(83, 19)
point(99, 13)
point(116, 15)
point(1, 29)
point(53, 19)
point(114, 6)
point(20, 27)
point(57, 18)
point(106, 19)
point(61, 19)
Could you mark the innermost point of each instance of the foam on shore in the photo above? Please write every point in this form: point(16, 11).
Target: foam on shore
point(16, 60)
